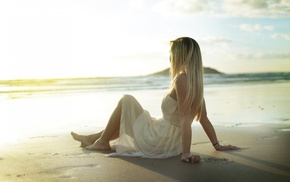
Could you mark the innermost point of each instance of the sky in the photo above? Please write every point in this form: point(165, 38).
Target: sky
point(87, 38)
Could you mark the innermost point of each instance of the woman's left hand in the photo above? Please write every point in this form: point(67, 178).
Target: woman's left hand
point(225, 147)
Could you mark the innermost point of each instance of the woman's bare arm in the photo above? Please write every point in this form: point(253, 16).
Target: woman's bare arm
point(210, 131)
point(186, 120)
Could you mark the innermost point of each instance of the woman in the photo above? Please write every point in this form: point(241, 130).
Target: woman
point(141, 135)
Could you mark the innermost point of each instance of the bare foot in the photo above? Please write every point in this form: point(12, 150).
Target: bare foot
point(85, 140)
point(99, 145)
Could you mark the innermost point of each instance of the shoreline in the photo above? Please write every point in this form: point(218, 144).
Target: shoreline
point(230, 105)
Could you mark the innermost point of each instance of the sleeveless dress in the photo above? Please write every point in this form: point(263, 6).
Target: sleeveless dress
point(144, 136)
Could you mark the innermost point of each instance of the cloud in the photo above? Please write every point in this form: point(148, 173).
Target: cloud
point(182, 7)
point(256, 8)
point(225, 8)
point(136, 4)
point(215, 40)
point(280, 35)
point(255, 27)
point(264, 56)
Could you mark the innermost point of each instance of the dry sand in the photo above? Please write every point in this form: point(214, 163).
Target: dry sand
point(264, 157)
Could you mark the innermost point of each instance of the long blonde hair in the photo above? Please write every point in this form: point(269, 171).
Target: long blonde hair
point(185, 56)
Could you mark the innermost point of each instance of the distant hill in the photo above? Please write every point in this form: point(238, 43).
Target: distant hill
point(207, 70)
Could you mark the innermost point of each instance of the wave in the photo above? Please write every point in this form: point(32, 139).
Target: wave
point(100, 84)
point(246, 78)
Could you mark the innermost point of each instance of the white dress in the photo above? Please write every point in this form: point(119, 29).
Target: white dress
point(144, 136)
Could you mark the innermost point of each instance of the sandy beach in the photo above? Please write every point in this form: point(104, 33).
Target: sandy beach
point(255, 118)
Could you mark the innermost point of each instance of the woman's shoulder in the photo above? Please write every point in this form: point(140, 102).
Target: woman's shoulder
point(181, 80)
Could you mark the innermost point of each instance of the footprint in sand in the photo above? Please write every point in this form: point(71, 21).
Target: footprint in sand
point(67, 172)
point(218, 160)
point(20, 175)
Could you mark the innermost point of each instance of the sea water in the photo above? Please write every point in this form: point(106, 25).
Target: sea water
point(30, 87)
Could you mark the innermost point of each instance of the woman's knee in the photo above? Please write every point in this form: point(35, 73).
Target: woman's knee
point(124, 99)
point(127, 98)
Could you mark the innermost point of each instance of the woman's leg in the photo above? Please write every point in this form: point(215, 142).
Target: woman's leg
point(110, 132)
point(87, 140)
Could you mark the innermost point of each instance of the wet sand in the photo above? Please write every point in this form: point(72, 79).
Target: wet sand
point(260, 126)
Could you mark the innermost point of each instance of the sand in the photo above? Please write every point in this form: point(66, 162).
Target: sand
point(264, 155)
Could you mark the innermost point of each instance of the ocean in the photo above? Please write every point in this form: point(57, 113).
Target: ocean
point(10, 89)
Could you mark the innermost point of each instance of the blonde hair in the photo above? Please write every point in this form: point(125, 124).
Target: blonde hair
point(185, 56)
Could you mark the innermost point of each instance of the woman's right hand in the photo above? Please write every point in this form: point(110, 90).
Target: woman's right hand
point(188, 158)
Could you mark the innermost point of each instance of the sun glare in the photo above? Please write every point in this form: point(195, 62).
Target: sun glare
point(49, 39)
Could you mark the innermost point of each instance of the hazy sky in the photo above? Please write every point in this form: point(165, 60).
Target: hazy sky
point(79, 38)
